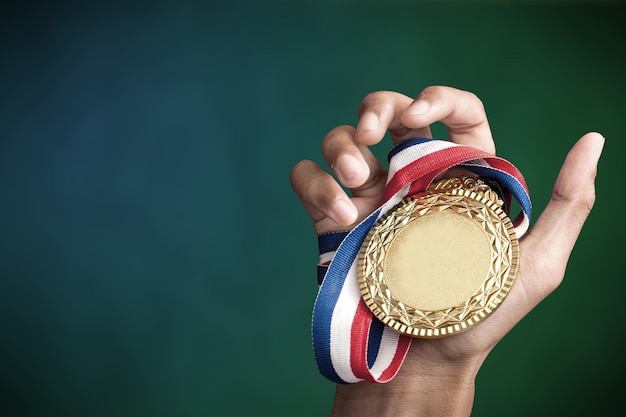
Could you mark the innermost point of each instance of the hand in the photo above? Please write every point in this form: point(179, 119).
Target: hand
point(438, 375)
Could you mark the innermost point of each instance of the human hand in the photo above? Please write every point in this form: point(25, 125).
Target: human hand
point(438, 375)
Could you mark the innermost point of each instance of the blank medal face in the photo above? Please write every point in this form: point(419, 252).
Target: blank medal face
point(437, 261)
point(438, 264)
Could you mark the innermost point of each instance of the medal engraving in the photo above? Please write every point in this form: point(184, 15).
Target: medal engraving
point(439, 262)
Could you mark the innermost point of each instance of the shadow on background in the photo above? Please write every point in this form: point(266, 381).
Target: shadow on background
point(153, 258)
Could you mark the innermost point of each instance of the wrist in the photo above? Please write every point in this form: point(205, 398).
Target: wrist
point(427, 389)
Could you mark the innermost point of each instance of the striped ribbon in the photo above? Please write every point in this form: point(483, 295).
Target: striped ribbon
point(349, 343)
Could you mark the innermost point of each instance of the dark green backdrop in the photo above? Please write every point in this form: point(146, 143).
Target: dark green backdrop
point(153, 259)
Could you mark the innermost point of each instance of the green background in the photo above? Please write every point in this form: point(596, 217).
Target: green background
point(153, 259)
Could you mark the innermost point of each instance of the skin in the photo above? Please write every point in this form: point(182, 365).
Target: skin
point(438, 376)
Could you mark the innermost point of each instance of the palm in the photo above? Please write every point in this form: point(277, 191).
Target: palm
point(543, 257)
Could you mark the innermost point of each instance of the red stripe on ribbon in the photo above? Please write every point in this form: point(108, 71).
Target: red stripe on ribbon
point(404, 343)
point(437, 161)
point(359, 335)
point(418, 175)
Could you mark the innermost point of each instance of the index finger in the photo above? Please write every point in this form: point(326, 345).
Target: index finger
point(380, 112)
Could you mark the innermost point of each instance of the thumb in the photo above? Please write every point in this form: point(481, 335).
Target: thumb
point(551, 240)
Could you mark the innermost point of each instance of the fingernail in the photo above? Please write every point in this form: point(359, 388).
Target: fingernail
point(344, 212)
point(419, 107)
point(369, 121)
point(348, 166)
point(599, 138)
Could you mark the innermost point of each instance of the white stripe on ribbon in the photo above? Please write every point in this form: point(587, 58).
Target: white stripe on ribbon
point(349, 297)
point(341, 326)
point(407, 156)
point(345, 309)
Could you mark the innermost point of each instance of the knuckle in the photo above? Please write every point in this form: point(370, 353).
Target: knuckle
point(587, 201)
point(431, 89)
point(375, 96)
point(474, 99)
point(335, 133)
point(300, 166)
point(335, 137)
point(376, 177)
point(298, 172)
point(579, 204)
point(318, 191)
point(370, 97)
point(583, 201)
point(374, 100)
point(438, 91)
point(476, 107)
point(339, 130)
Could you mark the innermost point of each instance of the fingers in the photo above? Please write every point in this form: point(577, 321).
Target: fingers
point(551, 240)
point(355, 167)
point(321, 195)
point(345, 148)
point(461, 111)
point(353, 163)
point(381, 111)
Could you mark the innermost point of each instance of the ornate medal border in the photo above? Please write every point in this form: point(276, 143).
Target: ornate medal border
point(456, 319)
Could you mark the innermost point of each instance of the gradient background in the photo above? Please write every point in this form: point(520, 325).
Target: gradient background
point(153, 259)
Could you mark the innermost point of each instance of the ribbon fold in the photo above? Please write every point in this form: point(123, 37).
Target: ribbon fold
point(349, 343)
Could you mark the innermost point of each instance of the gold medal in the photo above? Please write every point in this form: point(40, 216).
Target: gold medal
point(441, 261)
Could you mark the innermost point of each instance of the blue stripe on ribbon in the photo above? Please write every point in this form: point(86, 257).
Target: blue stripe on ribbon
point(507, 181)
point(329, 242)
point(329, 294)
point(347, 246)
point(404, 145)
point(373, 343)
point(321, 273)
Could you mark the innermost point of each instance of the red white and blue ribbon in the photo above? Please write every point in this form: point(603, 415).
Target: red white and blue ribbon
point(349, 343)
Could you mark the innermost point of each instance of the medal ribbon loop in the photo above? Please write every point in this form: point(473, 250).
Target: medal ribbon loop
point(349, 343)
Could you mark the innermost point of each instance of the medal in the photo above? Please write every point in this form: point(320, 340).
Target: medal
point(440, 261)
point(433, 260)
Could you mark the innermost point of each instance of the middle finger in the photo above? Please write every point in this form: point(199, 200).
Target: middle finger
point(381, 111)
point(354, 164)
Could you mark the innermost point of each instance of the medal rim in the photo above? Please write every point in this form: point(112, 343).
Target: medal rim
point(415, 322)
